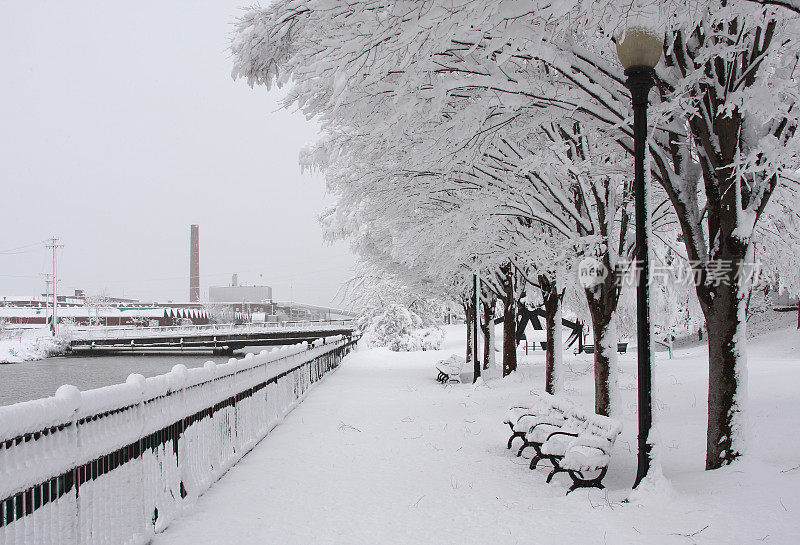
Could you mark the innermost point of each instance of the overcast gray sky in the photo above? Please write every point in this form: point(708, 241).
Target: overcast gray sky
point(120, 126)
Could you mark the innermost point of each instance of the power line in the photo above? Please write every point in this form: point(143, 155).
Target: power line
point(21, 252)
point(22, 249)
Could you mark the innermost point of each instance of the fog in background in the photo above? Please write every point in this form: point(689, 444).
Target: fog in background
point(120, 126)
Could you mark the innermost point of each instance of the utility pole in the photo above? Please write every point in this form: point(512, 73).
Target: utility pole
point(54, 245)
point(48, 279)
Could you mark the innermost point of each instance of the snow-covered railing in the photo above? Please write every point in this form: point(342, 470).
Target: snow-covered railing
point(133, 332)
point(116, 464)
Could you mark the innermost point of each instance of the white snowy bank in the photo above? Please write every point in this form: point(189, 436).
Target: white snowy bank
point(382, 453)
point(30, 345)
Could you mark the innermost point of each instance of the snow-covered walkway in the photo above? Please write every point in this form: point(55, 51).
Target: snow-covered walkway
point(381, 453)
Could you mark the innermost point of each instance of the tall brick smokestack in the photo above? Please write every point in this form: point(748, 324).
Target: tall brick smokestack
point(194, 264)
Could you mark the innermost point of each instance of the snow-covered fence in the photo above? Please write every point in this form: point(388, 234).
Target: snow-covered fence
point(116, 464)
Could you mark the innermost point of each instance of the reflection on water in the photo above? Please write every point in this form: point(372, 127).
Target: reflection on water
point(36, 379)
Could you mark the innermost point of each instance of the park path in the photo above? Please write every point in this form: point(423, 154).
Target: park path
point(377, 453)
point(380, 453)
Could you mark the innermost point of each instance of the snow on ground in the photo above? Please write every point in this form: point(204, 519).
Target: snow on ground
point(28, 345)
point(380, 452)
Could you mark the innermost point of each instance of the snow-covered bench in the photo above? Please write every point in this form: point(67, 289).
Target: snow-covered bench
point(622, 348)
point(450, 369)
point(574, 441)
point(545, 412)
point(521, 417)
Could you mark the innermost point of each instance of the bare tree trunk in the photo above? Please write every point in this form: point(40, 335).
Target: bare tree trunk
point(727, 375)
point(602, 300)
point(509, 299)
point(555, 345)
point(509, 335)
point(724, 295)
point(493, 342)
point(469, 313)
point(487, 327)
point(509, 323)
point(605, 367)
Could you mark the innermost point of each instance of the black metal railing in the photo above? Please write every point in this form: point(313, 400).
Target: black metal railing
point(117, 464)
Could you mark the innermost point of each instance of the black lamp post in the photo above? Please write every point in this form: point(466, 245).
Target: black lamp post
point(639, 50)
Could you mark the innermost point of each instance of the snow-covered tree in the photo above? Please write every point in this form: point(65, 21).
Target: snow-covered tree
point(446, 78)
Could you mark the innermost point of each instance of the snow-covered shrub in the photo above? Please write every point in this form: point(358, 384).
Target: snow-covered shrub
point(432, 338)
point(31, 346)
point(400, 330)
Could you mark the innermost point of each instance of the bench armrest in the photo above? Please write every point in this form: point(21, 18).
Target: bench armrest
point(562, 433)
point(520, 417)
point(524, 422)
point(544, 423)
point(594, 441)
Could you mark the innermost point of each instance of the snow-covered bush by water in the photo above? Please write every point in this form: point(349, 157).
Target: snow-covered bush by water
point(30, 345)
point(400, 330)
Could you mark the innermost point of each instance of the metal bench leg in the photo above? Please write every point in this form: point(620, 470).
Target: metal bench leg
point(579, 482)
point(524, 445)
point(538, 457)
point(514, 436)
point(556, 468)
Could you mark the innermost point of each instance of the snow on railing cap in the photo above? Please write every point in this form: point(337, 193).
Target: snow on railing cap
point(37, 414)
point(107, 398)
point(137, 380)
point(69, 394)
point(177, 376)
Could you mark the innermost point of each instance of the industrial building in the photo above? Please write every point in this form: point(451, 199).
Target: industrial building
point(239, 294)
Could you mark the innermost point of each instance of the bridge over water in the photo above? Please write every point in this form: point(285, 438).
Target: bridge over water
point(220, 338)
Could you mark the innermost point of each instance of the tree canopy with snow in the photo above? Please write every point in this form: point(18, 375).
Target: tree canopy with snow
point(455, 134)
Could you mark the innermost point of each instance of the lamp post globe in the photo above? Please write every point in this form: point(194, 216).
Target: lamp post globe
point(639, 50)
point(639, 47)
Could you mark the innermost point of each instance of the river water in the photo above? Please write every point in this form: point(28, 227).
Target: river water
point(37, 379)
